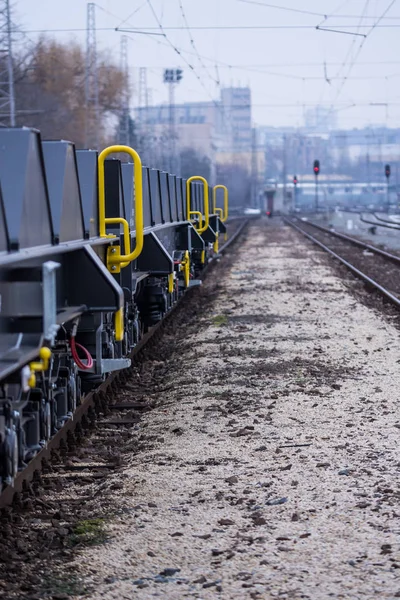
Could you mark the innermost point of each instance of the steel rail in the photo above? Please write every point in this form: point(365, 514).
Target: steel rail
point(396, 223)
point(379, 224)
point(393, 299)
point(24, 477)
point(356, 242)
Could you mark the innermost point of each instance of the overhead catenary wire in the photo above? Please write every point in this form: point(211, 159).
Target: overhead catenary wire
point(353, 62)
point(206, 28)
point(191, 67)
point(194, 45)
point(308, 12)
point(349, 51)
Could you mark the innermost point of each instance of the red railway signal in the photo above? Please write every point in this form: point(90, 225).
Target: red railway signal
point(316, 167)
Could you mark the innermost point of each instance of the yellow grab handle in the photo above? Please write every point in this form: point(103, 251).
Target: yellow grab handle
point(224, 214)
point(216, 244)
point(170, 283)
point(190, 212)
point(119, 324)
point(185, 267)
point(42, 365)
point(129, 256)
point(127, 236)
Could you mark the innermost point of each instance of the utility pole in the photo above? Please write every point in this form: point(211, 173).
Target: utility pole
point(149, 127)
point(143, 116)
point(254, 167)
point(7, 91)
point(124, 132)
point(316, 170)
point(92, 112)
point(387, 175)
point(171, 78)
point(284, 170)
point(295, 182)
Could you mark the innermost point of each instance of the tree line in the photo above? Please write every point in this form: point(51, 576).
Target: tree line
point(49, 83)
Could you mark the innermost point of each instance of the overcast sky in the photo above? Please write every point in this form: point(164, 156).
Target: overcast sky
point(276, 50)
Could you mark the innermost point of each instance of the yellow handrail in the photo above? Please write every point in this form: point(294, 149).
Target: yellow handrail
point(223, 213)
point(190, 212)
point(115, 260)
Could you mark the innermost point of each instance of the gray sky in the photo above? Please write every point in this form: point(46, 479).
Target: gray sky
point(284, 64)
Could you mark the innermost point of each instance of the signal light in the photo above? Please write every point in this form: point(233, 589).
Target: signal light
point(316, 167)
point(295, 180)
point(172, 75)
point(387, 171)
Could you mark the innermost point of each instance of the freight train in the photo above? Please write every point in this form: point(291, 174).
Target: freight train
point(94, 251)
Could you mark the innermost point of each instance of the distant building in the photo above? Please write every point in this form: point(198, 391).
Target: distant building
point(208, 127)
point(236, 115)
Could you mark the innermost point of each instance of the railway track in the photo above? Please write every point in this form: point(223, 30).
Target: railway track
point(96, 402)
point(379, 269)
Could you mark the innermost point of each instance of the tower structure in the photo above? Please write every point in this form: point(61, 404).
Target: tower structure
point(124, 123)
point(171, 78)
point(7, 90)
point(145, 139)
point(92, 112)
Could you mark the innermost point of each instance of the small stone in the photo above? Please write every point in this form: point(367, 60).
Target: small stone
point(258, 519)
point(109, 579)
point(178, 431)
point(295, 517)
point(168, 572)
point(116, 486)
point(304, 535)
point(226, 522)
point(176, 534)
point(151, 553)
point(276, 501)
point(344, 472)
point(216, 552)
point(363, 504)
point(323, 464)
point(386, 549)
point(286, 468)
point(211, 584)
point(232, 480)
point(241, 432)
point(200, 579)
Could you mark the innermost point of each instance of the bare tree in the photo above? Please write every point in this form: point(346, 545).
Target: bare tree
point(50, 91)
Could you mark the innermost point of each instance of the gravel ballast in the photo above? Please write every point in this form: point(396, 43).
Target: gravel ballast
point(271, 468)
point(268, 467)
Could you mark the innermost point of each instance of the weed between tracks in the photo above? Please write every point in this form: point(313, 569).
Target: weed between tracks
point(220, 320)
point(89, 532)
